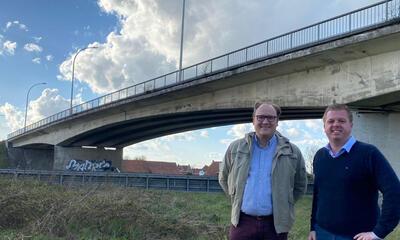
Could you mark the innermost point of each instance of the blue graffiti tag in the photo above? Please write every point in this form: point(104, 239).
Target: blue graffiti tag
point(89, 165)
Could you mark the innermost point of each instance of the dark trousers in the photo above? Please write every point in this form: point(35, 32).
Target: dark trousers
point(255, 228)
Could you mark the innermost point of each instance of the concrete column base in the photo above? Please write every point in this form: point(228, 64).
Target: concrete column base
point(62, 156)
point(381, 130)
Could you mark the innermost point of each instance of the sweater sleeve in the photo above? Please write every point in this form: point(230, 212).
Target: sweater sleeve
point(314, 199)
point(389, 185)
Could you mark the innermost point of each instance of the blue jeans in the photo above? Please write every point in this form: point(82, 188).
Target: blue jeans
point(322, 234)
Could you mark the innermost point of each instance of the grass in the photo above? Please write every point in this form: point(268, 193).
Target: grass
point(37, 211)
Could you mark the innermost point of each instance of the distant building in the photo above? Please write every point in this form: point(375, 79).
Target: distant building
point(212, 169)
point(185, 170)
point(169, 168)
point(142, 166)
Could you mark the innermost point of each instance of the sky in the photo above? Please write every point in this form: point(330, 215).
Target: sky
point(137, 40)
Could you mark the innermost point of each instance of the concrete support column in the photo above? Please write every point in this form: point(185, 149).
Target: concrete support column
point(381, 130)
point(30, 159)
point(62, 155)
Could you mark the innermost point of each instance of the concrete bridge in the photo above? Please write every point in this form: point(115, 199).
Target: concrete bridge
point(357, 63)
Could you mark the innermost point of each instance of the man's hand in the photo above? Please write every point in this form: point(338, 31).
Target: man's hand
point(312, 236)
point(366, 236)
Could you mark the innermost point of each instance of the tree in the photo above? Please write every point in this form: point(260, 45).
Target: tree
point(308, 158)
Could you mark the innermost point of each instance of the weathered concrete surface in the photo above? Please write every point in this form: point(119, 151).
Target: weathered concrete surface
point(62, 156)
point(381, 130)
point(25, 158)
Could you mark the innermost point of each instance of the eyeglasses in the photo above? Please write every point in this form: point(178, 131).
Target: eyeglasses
point(261, 118)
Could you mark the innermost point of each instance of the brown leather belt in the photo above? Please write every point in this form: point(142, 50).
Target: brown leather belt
point(258, 218)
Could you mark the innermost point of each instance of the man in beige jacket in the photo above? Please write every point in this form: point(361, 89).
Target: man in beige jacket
point(264, 175)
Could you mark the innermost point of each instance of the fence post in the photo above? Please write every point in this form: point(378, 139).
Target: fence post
point(349, 22)
point(387, 9)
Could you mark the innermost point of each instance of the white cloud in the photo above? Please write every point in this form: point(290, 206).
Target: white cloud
point(46, 105)
point(315, 124)
point(36, 60)
point(9, 47)
point(148, 42)
point(49, 58)
point(239, 130)
point(184, 136)
point(37, 39)
point(13, 116)
point(153, 150)
point(32, 47)
point(204, 133)
point(215, 156)
point(17, 24)
point(293, 132)
point(49, 103)
point(226, 142)
point(236, 132)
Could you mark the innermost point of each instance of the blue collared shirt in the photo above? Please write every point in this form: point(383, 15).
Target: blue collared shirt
point(346, 147)
point(257, 197)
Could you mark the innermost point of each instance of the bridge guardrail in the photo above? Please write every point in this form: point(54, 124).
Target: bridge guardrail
point(378, 14)
point(187, 183)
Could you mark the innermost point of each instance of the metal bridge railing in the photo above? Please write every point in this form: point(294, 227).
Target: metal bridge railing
point(147, 181)
point(378, 14)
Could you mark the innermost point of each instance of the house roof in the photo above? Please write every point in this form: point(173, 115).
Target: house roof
point(212, 169)
point(142, 166)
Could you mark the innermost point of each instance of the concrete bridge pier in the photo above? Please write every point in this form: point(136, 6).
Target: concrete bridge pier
point(381, 130)
point(30, 158)
point(63, 155)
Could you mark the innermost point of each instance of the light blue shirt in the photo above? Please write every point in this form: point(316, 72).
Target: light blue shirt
point(257, 197)
point(346, 147)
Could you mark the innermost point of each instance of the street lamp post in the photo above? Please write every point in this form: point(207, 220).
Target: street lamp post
point(181, 49)
point(72, 78)
point(27, 98)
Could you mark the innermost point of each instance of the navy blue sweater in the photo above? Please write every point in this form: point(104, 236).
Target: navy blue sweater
point(346, 192)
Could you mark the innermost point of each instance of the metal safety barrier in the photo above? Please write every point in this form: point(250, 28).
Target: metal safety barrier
point(187, 183)
point(147, 181)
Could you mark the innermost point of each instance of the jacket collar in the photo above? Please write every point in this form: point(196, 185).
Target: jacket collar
point(283, 146)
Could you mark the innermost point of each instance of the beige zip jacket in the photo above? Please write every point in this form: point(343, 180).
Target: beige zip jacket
point(288, 178)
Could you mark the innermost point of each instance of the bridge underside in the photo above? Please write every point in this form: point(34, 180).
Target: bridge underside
point(133, 131)
point(388, 103)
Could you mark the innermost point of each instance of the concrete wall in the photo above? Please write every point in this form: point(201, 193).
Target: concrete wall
point(25, 158)
point(62, 156)
point(383, 131)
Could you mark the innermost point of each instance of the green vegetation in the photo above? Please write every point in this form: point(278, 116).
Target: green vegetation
point(37, 211)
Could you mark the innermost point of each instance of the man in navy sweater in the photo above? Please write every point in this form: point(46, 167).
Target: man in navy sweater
point(348, 176)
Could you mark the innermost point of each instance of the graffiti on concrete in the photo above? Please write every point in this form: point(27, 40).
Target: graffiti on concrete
point(89, 165)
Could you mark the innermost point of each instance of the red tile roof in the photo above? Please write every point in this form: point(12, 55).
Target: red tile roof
point(142, 166)
point(213, 169)
point(168, 168)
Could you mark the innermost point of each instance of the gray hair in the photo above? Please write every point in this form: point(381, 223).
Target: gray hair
point(276, 107)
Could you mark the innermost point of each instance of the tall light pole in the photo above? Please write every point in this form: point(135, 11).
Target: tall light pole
point(73, 69)
point(181, 51)
point(27, 98)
